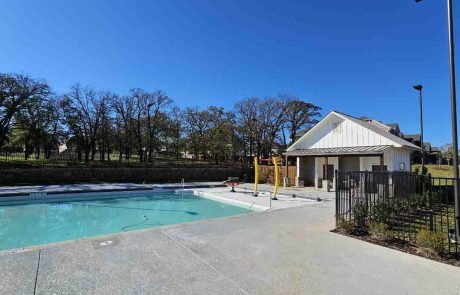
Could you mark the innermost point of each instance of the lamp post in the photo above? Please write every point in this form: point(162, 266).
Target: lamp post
point(422, 148)
point(453, 109)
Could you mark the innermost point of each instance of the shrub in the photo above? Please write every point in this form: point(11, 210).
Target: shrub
point(381, 211)
point(345, 225)
point(379, 230)
point(418, 200)
point(424, 170)
point(401, 206)
point(360, 214)
point(431, 240)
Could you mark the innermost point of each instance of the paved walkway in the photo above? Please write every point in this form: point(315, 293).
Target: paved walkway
point(286, 251)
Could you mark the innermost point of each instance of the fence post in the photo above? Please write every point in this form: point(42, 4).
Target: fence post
point(337, 195)
point(366, 189)
point(430, 200)
point(349, 195)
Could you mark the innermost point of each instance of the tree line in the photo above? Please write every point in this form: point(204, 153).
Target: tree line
point(97, 125)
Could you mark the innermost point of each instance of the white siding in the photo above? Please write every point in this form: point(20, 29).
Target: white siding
point(397, 156)
point(392, 158)
point(366, 163)
point(351, 134)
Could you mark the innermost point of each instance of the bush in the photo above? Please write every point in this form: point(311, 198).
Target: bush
point(379, 230)
point(424, 170)
point(345, 225)
point(381, 211)
point(401, 205)
point(360, 214)
point(431, 240)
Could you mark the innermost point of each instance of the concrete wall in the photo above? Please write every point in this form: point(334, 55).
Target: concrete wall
point(306, 170)
point(153, 175)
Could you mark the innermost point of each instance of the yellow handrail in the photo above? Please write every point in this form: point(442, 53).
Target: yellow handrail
point(277, 180)
point(256, 177)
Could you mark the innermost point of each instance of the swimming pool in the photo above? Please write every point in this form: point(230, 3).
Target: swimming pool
point(77, 216)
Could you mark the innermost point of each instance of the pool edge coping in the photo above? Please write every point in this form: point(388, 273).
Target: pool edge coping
point(76, 191)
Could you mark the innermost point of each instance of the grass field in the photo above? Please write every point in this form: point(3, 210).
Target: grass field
point(436, 170)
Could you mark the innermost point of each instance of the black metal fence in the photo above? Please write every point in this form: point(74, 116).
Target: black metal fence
point(402, 205)
point(14, 159)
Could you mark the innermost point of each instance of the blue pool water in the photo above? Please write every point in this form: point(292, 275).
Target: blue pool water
point(37, 223)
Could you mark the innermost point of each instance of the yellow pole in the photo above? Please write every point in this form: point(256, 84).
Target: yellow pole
point(256, 177)
point(277, 180)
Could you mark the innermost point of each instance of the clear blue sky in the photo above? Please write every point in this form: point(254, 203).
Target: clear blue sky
point(359, 57)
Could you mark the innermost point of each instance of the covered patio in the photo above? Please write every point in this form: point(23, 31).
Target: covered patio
point(312, 163)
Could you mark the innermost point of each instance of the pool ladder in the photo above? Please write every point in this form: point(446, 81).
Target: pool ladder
point(182, 184)
point(255, 199)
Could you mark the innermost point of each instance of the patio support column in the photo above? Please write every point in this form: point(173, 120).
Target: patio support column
point(326, 176)
point(325, 168)
point(381, 163)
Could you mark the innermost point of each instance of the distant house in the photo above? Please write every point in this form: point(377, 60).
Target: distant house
point(432, 154)
point(343, 142)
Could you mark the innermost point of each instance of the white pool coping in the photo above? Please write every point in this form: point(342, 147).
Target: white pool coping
point(216, 197)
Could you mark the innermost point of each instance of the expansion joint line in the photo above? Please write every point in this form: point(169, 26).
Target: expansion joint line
point(38, 267)
point(205, 262)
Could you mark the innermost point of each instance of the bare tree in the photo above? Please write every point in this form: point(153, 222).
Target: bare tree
point(83, 111)
point(125, 113)
point(15, 92)
point(447, 151)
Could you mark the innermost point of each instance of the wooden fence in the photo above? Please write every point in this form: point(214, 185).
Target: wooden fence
point(267, 174)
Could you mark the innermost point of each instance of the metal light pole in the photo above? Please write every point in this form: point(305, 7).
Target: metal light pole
point(422, 148)
point(453, 109)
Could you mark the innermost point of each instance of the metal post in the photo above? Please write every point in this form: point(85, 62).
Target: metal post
point(453, 102)
point(421, 130)
point(287, 171)
point(422, 148)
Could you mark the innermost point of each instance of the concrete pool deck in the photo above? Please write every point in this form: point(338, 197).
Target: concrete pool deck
point(286, 251)
point(244, 196)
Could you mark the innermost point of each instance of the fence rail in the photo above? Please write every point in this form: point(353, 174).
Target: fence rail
point(71, 159)
point(402, 204)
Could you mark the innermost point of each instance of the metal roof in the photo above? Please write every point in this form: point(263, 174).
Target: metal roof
point(354, 150)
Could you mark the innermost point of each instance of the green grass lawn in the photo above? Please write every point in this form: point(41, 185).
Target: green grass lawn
point(436, 170)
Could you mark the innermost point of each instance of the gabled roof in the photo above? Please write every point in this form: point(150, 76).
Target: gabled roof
point(379, 131)
point(398, 141)
point(412, 136)
point(393, 125)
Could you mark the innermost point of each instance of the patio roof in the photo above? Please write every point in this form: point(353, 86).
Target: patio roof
point(337, 151)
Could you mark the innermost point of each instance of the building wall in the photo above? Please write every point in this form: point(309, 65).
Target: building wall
point(366, 163)
point(396, 156)
point(319, 162)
